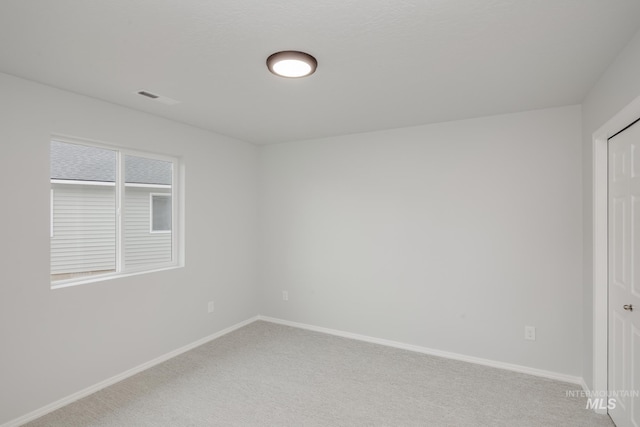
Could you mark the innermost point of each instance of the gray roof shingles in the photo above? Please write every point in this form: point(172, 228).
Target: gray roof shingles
point(84, 163)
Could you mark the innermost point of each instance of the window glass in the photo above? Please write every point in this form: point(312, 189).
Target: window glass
point(111, 212)
point(83, 211)
point(147, 211)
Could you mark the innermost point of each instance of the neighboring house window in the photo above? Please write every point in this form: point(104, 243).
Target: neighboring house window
point(160, 216)
point(101, 198)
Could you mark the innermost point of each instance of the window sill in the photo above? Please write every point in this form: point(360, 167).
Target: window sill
point(75, 282)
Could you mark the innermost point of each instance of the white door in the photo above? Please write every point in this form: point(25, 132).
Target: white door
point(624, 277)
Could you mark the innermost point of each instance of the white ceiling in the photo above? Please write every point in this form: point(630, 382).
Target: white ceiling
point(382, 63)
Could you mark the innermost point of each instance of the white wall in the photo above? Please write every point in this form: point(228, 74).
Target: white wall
point(451, 236)
point(57, 342)
point(617, 87)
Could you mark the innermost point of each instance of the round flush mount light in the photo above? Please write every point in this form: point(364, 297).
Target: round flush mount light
point(292, 64)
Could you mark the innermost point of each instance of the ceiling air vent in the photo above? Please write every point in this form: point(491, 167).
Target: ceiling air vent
point(148, 94)
point(159, 98)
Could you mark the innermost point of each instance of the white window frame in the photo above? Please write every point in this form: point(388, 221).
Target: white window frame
point(151, 196)
point(51, 214)
point(177, 207)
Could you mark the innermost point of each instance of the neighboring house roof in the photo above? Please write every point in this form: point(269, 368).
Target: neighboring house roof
point(147, 171)
point(84, 163)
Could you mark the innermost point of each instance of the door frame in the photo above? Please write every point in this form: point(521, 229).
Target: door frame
point(600, 273)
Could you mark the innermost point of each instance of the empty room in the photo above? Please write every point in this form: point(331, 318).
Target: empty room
point(340, 213)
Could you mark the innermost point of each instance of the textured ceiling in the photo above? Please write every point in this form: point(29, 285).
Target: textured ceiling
point(382, 63)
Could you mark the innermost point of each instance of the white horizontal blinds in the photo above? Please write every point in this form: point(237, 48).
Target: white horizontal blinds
point(147, 212)
point(83, 217)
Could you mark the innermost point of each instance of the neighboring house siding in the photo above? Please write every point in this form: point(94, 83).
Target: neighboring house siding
point(84, 228)
point(141, 246)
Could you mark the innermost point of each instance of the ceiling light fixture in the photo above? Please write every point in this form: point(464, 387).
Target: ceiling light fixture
point(292, 64)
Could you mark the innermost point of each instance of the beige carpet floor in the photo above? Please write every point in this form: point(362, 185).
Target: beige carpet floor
point(271, 375)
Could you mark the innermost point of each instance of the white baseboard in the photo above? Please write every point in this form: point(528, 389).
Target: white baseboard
point(117, 378)
point(455, 356)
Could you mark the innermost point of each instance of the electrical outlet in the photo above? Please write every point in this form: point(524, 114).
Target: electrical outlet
point(530, 333)
point(210, 307)
point(285, 296)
